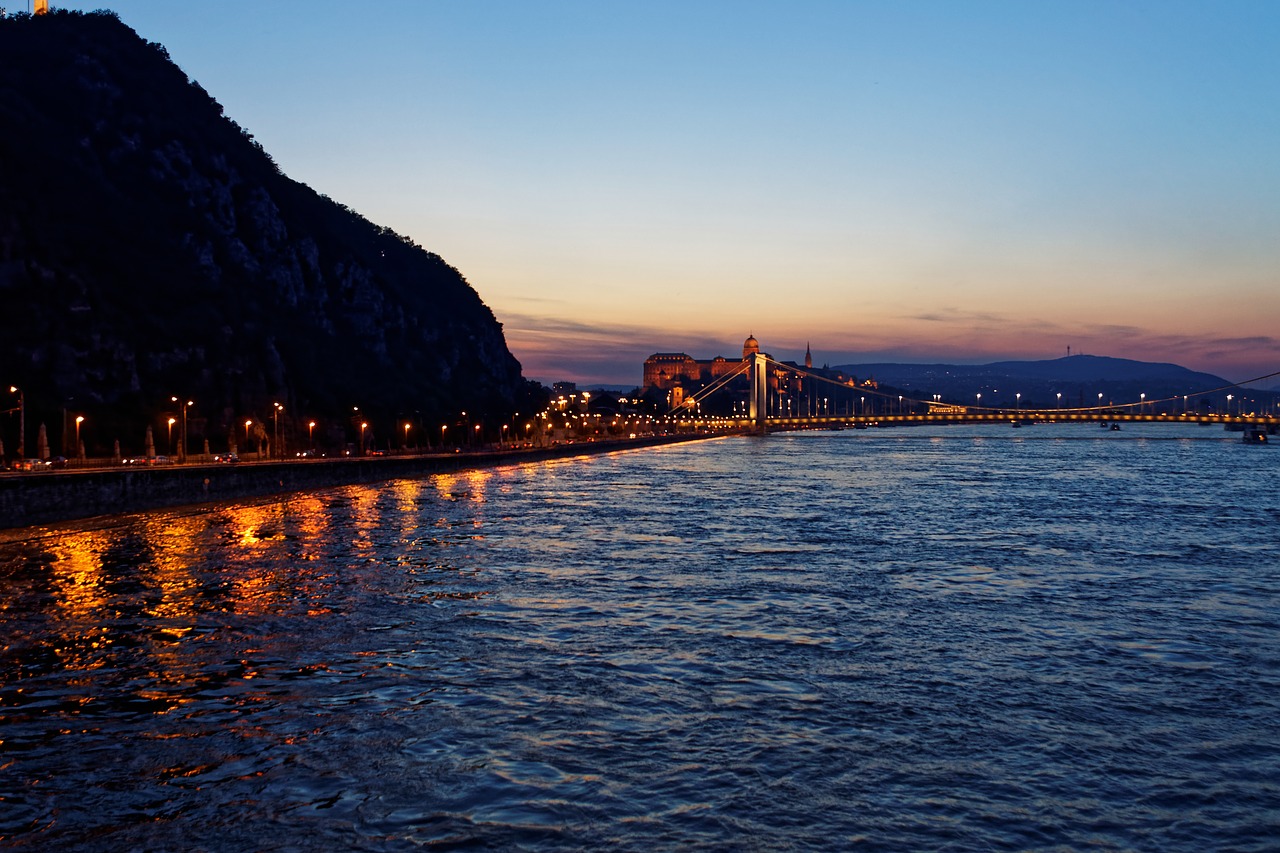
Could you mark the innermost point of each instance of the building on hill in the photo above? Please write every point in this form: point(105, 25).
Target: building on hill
point(793, 388)
point(668, 370)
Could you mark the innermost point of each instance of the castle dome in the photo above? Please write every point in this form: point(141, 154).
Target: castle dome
point(750, 347)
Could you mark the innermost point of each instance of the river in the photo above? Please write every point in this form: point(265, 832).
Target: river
point(959, 638)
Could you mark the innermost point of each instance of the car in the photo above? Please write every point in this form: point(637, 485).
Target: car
point(226, 458)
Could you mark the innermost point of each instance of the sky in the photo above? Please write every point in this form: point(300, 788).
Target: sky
point(882, 181)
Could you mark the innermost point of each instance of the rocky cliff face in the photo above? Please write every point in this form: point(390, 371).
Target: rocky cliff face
point(150, 247)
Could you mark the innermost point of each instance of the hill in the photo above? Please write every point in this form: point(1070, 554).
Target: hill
point(1078, 378)
point(150, 247)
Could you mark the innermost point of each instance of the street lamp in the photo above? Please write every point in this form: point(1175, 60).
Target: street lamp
point(1142, 400)
point(1059, 399)
point(311, 429)
point(1230, 397)
point(275, 428)
point(172, 421)
point(979, 400)
point(1018, 401)
point(22, 420)
point(182, 453)
point(79, 420)
point(406, 435)
point(363, 427)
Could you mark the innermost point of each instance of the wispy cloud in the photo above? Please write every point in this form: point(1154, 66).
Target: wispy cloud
point(554, 349)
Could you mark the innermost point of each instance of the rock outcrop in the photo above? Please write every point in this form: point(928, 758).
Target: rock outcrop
point(150, 247)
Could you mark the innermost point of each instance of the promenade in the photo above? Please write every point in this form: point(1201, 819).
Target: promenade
point(45, 497)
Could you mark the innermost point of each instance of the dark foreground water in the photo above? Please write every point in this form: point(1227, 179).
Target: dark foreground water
point(964, 639)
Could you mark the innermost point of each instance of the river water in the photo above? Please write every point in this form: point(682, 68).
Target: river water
point(959, 638)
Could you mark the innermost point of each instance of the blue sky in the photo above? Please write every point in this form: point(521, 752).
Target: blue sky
point(914, 181)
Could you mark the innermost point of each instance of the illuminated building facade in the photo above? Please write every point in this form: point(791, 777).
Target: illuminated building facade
point(668, 370)
point(792, 388)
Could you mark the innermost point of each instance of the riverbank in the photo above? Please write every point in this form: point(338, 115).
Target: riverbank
point(32, 499)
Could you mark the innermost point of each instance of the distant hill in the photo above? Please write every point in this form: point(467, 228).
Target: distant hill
point(1079, 378)
point(150, 247)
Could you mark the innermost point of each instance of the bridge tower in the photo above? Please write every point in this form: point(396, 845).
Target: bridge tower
point(759, 390)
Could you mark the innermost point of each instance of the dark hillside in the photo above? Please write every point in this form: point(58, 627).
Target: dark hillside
point(149, 247)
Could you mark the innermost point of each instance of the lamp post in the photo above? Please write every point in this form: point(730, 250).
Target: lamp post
point(182, 452)
point(22, 420)
point(1099, 399)
point(443, 427)
point(275, 429)
point(406, 435)
point(247, 424)
point(363, 427)
point(1059, 399)
point(172, 421)
point(311, 434)
point(1018, 401)
point(79, 420)
point(1142, 401)
point(1230, 397)
point(979, 400)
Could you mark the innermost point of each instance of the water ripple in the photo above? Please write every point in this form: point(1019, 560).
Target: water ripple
point(884, 639)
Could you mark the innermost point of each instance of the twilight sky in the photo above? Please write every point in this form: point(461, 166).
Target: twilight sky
point(888, 181)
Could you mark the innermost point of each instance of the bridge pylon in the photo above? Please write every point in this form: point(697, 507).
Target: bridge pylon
point(759, 391)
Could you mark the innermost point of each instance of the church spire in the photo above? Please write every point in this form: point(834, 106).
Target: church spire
point(808, 356)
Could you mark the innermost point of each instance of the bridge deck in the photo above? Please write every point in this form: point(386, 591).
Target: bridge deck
point(1024, 416)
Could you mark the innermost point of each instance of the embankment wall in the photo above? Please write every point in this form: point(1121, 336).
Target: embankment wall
point(31, 499)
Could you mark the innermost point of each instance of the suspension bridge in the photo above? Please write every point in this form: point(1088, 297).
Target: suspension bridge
point(768, 408)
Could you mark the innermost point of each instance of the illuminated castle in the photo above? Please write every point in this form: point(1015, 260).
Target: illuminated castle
point(789, 384)
point(42, 6)
point(666, 370)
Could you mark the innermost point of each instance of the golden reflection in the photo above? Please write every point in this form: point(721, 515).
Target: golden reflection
point(407, 493)
point(445, 485)
point(478, 479)
point(75, 570)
